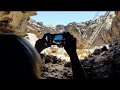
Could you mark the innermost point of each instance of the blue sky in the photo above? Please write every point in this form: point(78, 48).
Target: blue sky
point(64, 17)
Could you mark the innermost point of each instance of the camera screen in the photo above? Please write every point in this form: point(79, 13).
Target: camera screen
point(58, 37)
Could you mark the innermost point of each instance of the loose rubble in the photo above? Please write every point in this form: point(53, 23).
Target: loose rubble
point(105, 65)
point(54, 68)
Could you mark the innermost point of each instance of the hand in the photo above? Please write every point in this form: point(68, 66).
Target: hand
point(42, 43)
point(70, 44)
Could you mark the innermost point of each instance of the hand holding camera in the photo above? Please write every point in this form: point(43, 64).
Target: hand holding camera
point(65, 39)
point(42, 43)
point(69, 44)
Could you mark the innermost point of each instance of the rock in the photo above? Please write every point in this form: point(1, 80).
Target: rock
point(67, 64)
point(55, 69)
point(32, 38)
point(110, 45)
point(97, 52)
point(60, 28)
point(48, 59)
point(87, 64)
point(45, 69)
point(54, 48)
point(55, 60)
point(104, 48)
point(65, 74)
point(17, 19)
point(104, 37)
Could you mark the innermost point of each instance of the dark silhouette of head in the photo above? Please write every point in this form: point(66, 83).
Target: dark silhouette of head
point(18, 59)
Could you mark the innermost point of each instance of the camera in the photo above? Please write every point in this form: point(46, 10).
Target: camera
point(56, 39)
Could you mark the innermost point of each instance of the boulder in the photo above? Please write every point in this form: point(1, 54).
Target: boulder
point(32, 38)
point(16, 17)
point(97, 52)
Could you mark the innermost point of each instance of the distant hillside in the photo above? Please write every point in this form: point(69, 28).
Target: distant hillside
point(21, 24)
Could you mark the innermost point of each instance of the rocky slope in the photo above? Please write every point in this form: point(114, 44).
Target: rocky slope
point(106, 35)
point(54, 68)
point(79, 29)
point(15, 21)
point(102, 64)
point(21, 24)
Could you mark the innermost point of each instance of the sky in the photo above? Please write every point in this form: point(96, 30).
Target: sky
point(65, 17)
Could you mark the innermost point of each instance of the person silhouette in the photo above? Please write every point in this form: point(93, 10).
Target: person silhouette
point(19, 60)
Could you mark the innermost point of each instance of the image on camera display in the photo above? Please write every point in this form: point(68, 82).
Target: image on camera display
point(56, 39)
